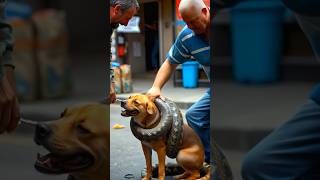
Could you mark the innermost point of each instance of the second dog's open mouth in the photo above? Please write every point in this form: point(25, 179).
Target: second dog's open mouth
point(59, 164)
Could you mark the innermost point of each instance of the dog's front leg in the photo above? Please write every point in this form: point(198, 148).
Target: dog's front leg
point(148, 157)
point(161, 158)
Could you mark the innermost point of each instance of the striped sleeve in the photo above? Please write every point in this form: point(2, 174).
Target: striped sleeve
point(178, 53)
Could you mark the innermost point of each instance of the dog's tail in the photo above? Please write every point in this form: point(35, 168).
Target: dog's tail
point(205, 172)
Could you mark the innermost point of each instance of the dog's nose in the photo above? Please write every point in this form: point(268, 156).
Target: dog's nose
point(43, 131)
point(123, 103)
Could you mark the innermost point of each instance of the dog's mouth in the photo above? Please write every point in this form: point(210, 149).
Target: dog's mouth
point(59, 164)
point(126, 112)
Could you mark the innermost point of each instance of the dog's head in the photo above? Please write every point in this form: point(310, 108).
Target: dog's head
point(141, 107)
point(77, 141)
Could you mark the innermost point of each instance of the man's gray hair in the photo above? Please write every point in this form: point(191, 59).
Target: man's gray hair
point(125, 4)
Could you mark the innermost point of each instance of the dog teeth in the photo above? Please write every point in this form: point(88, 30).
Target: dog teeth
point(48, 163)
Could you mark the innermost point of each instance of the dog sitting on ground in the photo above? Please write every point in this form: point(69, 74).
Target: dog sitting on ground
point(78, 143)
point(191, 152)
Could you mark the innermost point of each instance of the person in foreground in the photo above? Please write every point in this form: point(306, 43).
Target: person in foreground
point(291, 151)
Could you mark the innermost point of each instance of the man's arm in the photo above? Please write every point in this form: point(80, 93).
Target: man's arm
point(178, 54)
point(162, 77)
point(9, 105)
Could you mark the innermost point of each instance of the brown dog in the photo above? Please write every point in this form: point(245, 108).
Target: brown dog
point(191, 152)
point(78, 143)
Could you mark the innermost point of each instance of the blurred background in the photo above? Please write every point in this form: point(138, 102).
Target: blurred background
point(61, 60)
point(264, 70)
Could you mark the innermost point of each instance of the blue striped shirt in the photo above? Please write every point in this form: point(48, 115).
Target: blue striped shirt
point(188, 47)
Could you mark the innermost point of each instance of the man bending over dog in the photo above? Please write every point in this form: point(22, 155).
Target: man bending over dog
point(192, 43)
point(121, 11)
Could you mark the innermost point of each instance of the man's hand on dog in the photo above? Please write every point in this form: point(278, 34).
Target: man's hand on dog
point(154, 93)
point(9, 106)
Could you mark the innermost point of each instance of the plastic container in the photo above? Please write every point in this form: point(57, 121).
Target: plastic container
point(257, 40)
point(190, 74)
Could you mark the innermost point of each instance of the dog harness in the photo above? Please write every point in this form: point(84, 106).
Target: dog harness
point(169, 126)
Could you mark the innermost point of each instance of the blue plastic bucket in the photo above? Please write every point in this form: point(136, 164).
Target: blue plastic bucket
point(257, 40)
point(190, 74)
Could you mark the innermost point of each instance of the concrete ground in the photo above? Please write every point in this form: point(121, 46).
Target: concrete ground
point(243, 114)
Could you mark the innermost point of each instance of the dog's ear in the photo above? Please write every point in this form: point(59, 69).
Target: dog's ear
point(150, 108)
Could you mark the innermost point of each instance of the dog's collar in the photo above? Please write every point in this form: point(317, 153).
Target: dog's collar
point(160, 130)
point(155, 122)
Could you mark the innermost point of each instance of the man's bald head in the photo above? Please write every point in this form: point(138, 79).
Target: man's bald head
point(191, 7)
point(196, 15)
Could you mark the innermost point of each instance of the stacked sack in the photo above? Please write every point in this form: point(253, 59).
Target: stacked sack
point(126, 79)
point(122, 78)
point(23, 58)
point(117, 76)
point(51, 54)
point(40, 55)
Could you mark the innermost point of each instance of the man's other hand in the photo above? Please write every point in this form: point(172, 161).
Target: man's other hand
point(9, 105)
point(154, 93)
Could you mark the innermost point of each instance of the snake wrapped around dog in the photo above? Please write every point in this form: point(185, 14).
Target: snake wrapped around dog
point(170, 125)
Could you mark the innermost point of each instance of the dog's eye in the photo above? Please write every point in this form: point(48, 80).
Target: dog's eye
point(82, 129)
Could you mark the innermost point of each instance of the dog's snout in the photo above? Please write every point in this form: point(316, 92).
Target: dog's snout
point(43, 131)
point(123, 103)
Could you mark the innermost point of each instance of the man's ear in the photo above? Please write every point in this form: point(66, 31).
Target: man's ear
point(204, 11)
point(117, 9)
point(150, 108)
